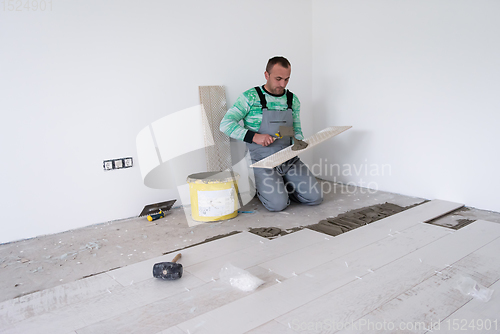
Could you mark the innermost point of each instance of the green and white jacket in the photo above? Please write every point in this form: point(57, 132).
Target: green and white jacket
point(249, 109)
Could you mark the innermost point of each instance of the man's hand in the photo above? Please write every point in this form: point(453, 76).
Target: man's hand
point(263, 139)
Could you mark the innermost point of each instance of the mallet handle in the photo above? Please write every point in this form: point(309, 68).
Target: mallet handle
point(177, 257)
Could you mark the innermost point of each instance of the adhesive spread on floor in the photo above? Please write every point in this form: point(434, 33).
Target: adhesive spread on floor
point(272, 232)
point(356, 218)
point(220, 236)
point(456, 219)
point(340, 224)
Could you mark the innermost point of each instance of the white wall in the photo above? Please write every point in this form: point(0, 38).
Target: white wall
point(419, 82)
point(79, 81)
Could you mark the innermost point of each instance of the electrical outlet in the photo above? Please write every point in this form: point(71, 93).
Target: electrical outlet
point(128, 162)
point(108, 164)
point(118, 163)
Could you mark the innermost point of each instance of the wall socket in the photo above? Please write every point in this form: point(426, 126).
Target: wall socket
point(118, 163)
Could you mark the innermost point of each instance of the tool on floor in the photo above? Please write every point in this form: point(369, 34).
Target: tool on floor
point(168, 270)
point(156, 208)
point(156, 216)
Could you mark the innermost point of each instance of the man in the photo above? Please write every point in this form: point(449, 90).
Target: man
point(263, 110)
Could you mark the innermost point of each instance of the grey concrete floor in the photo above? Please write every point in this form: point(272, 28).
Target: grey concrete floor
point(35, 264)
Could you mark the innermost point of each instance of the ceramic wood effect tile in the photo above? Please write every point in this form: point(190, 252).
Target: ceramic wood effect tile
point(112, 303)
point(287, 153)
point(483, 265)
point(272, 302)
point(172, 330)
point(165, 313)
point(190, 256)
point(458, 244)
point(10, 329)
point(272, 327)
point(334, 271)
point(307, 258)
point(339, 308)
point(22, 308)
point(418, 309)
point(475, 316)
point(154, 289)
point(257, 254)
point(267, 304)
point(315, 255)
point(426, 305)
point(374, 244)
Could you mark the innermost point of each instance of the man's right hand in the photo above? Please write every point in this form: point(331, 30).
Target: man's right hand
point(263, 139)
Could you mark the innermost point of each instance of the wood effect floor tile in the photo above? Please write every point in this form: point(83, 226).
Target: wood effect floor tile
point(338, 308)
point(266, 304)
point(418, 308)
point(316, 255)
point(458, 244)
point(364, 246)
point(165, 313)
point(10, 329)
point(110, 304)
point(257, 254)
point(190, 256)
point(172, 330)
point(154, 289)
point(429, 304)
point(40, 302)
point(272, 327)
point(475, 316)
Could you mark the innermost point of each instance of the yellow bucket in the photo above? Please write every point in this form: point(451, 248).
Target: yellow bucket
point(214, 195)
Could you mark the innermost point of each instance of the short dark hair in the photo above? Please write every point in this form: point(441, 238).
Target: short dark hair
point(277, 60)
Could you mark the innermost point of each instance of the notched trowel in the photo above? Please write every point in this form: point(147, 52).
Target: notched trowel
point(287, 131)
point(157, 208)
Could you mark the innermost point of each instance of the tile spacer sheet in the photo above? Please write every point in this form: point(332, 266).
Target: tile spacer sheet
point(287, 153)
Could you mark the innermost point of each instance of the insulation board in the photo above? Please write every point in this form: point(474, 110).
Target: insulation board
point(218, 150)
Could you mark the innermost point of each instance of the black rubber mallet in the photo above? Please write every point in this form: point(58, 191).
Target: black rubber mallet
point(168, 270)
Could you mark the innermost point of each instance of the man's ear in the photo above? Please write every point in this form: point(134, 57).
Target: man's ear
point(266, 75)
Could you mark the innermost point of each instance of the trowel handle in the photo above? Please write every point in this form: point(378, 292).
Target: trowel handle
point(177, 257)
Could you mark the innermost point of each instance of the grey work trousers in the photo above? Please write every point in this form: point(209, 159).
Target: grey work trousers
point(275, 189)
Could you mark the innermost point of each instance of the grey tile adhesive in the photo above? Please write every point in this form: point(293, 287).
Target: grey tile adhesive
point(213, 101)
point(287, 153)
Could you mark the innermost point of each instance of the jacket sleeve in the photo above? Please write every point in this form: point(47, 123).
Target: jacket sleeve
point(230, 124)
point(297, 128)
